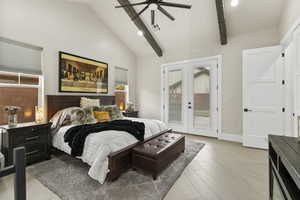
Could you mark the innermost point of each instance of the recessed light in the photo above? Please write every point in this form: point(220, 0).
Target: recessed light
point(140, 33)
point(234, 3)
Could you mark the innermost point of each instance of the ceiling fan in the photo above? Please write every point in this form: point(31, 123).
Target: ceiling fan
point(156, 5)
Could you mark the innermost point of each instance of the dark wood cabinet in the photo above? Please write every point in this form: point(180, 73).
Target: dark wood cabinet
point(34, 137)
point(134, 114)
point(284, 168)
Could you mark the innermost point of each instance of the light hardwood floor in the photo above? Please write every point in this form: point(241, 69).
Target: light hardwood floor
point(221, 171)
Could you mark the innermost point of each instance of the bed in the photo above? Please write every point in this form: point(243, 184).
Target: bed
point(108, 154)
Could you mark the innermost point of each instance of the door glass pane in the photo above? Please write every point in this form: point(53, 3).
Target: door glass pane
point(175, 96)
point(201, 97)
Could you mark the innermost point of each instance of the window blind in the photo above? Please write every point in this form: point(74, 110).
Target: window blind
point(20, 57)
point(121, 76)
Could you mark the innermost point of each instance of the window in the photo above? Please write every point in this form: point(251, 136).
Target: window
point(22, 90)
point(21, 80)
point(121, 87)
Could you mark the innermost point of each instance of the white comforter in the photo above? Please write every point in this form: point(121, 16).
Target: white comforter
point(97, 147)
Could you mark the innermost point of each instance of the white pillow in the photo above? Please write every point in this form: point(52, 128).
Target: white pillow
point(86, 102)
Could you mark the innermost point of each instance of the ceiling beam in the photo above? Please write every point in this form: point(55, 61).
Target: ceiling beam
point(131, 12)
point(222, 22)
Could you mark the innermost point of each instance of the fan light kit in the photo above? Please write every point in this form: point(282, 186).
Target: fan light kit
point(234, 3)
point(155, 5)
point(140, 33)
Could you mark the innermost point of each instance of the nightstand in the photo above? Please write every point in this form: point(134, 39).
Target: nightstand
point(134, 114)
point(34, 137)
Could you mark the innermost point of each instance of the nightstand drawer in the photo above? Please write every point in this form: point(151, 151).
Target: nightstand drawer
point(27, 135)
point(34, 148)
point(34, 152)
point(20, 140)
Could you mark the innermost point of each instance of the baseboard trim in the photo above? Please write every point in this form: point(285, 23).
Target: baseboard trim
point(231, 137)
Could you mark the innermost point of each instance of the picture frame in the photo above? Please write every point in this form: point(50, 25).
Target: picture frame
point(78, 74)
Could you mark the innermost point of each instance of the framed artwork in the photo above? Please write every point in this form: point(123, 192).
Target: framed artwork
point(82, 75)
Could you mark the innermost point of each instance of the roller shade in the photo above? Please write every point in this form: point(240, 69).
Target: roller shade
point(19, 57)
point(121, 76)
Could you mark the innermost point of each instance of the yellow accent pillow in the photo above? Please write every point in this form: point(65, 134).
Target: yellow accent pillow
point(102, 116)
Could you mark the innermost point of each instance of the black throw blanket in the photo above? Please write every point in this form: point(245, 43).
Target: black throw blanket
point(75, 136)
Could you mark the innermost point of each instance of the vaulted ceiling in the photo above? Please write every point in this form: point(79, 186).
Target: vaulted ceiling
point(196, 26)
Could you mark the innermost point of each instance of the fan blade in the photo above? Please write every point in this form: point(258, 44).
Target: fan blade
point(152, 17)
point(143, 10)
point(161, 9)
point(177, 5)
point(133, 4)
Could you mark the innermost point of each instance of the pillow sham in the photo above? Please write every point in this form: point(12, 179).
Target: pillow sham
point(64, 117)
point(114, 111)
point(77, 116)
point(102, 116)
point(86, 102)
point(90, 118)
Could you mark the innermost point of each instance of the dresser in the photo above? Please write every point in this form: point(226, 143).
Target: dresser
point(34, 137)
point(284, 168)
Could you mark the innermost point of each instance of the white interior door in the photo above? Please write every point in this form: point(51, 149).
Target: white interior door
point(295, 53)
point(191, 96)
point(289, 66)
point(262, 95)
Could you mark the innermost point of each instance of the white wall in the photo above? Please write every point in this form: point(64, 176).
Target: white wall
point(58, 25)
point(148, 79)
point(290, 14)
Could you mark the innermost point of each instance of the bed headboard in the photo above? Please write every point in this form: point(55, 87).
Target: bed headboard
point(59, 102)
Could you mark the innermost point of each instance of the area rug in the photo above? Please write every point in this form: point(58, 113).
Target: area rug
point(68, 178)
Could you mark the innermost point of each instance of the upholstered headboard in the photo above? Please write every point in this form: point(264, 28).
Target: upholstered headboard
point(59, 102)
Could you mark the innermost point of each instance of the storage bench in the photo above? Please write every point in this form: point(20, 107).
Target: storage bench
point(156, 154)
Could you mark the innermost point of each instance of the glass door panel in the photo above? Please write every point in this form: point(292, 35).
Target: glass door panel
point(201, 96)
point(175, 96)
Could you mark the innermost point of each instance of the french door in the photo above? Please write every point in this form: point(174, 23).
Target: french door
point(190, 96)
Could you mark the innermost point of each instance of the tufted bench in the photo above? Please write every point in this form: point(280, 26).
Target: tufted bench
point(156, 154)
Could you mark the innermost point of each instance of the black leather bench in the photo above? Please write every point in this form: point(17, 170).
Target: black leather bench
point(156, 154)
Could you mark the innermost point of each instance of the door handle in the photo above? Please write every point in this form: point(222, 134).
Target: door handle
point(190, 107)
point(247, 110)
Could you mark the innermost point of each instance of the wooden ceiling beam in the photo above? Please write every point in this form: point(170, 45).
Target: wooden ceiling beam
point(131, 12)
point(222, 22)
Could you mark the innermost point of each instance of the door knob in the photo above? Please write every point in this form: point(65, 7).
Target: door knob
point(190, 107)
point(190, 103)
point(247, 110)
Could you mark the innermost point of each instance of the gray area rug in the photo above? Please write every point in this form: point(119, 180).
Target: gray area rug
point(68, 178)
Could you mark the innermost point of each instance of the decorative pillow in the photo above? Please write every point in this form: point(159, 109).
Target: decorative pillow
point(102, 116)
point(114, 111)
point(90, 118)
point(86, 102)
point(78, 116)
